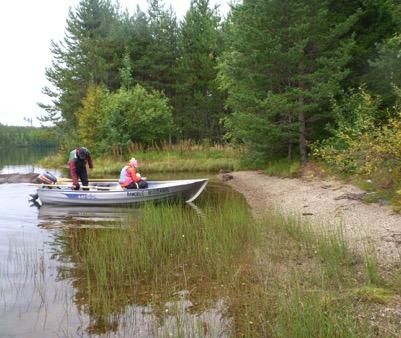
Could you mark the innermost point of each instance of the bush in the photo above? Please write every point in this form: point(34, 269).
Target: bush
point(123, 118)
point(91, 118)
point(137, 116)
point(363, 144)
point(349, 146)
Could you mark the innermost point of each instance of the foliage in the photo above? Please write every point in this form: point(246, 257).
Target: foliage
point(106, 47)
point(199, 102)
point(362, 146)
point(263, 78)
point(122, 118)
point(281, 65)
point(355, 117)
point(91, 117)
point(161, 57)
point(89, 53)
point(385, 70)
point(137, 116)
point(376, 20)
point(126, 72)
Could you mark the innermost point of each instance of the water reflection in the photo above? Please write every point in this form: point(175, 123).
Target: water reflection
point(176, 301)
point(47, 289)
point(52, 216)
point(22, 159)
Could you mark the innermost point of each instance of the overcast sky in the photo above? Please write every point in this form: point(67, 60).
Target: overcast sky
point(26, 28)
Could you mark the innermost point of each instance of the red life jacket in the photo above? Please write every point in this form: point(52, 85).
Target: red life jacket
point(128, 175)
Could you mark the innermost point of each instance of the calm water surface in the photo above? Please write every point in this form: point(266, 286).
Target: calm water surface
point(39, 299)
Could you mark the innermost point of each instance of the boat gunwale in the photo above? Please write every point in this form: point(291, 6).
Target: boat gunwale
point(163, 184)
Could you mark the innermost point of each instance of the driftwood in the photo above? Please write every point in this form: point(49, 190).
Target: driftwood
point(351, 196)
point(19, 178)
point(226, 177)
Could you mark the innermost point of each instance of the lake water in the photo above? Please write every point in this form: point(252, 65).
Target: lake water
point(21, 159)
point(39, 297)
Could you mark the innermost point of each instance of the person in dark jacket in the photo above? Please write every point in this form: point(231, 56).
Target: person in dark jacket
point(77, 163)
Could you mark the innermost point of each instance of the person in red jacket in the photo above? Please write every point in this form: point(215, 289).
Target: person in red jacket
point(130, 178)
point(77, 163)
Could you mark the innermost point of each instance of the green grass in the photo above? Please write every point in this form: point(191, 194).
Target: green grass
point(210, 159)
point(180, 158)
point(280, 277)
point(315, 314)
point(308, 284)
point(170, 248)
point(372, 267)
point(372, 294)
point(283, 168)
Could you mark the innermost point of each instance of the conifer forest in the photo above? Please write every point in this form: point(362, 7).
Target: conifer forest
point(284, 79)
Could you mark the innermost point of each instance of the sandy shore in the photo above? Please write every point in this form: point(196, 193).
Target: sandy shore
point(326, 203)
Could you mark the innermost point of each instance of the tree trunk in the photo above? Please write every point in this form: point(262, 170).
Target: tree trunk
point(289, 156)
point(302, 131)
point(301, 118)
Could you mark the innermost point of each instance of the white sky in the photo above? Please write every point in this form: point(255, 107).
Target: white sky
point(26, 28)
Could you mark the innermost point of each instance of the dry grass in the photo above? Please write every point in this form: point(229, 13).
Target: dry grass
point(183, 157)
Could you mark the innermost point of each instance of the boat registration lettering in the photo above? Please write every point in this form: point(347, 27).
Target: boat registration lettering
point(137, 193)
point(81, 196)
point(161, 190)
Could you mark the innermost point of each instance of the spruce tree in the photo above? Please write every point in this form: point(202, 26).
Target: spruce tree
point(376, 21)
point(137, 38)
point(283, 62)
point(161, 54)
point(199, 103)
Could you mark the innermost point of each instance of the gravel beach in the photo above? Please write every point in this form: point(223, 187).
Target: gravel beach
point(326, 203)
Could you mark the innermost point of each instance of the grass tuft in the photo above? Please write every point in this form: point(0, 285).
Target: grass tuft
point(283, 168)
point(371, 294)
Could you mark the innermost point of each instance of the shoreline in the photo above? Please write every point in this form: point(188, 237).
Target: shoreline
point(327, 204)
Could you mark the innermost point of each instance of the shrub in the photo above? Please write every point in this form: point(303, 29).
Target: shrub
point(120, 119)
point(364, 144)
point(137, 116)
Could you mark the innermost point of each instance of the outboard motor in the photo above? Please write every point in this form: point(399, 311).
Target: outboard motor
point(47, 178)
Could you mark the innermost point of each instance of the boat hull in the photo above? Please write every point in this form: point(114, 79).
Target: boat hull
point(184, 190)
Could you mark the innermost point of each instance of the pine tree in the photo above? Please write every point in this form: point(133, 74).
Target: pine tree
point(161, 54)
point(384, 72)
point(376, 21)
point(89, 53)
point(283, 63)
point(136, 34)
point(199, 102)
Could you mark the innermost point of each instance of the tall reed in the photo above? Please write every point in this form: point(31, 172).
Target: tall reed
point(185, 156)
point(278, 277)
point(168, 249)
